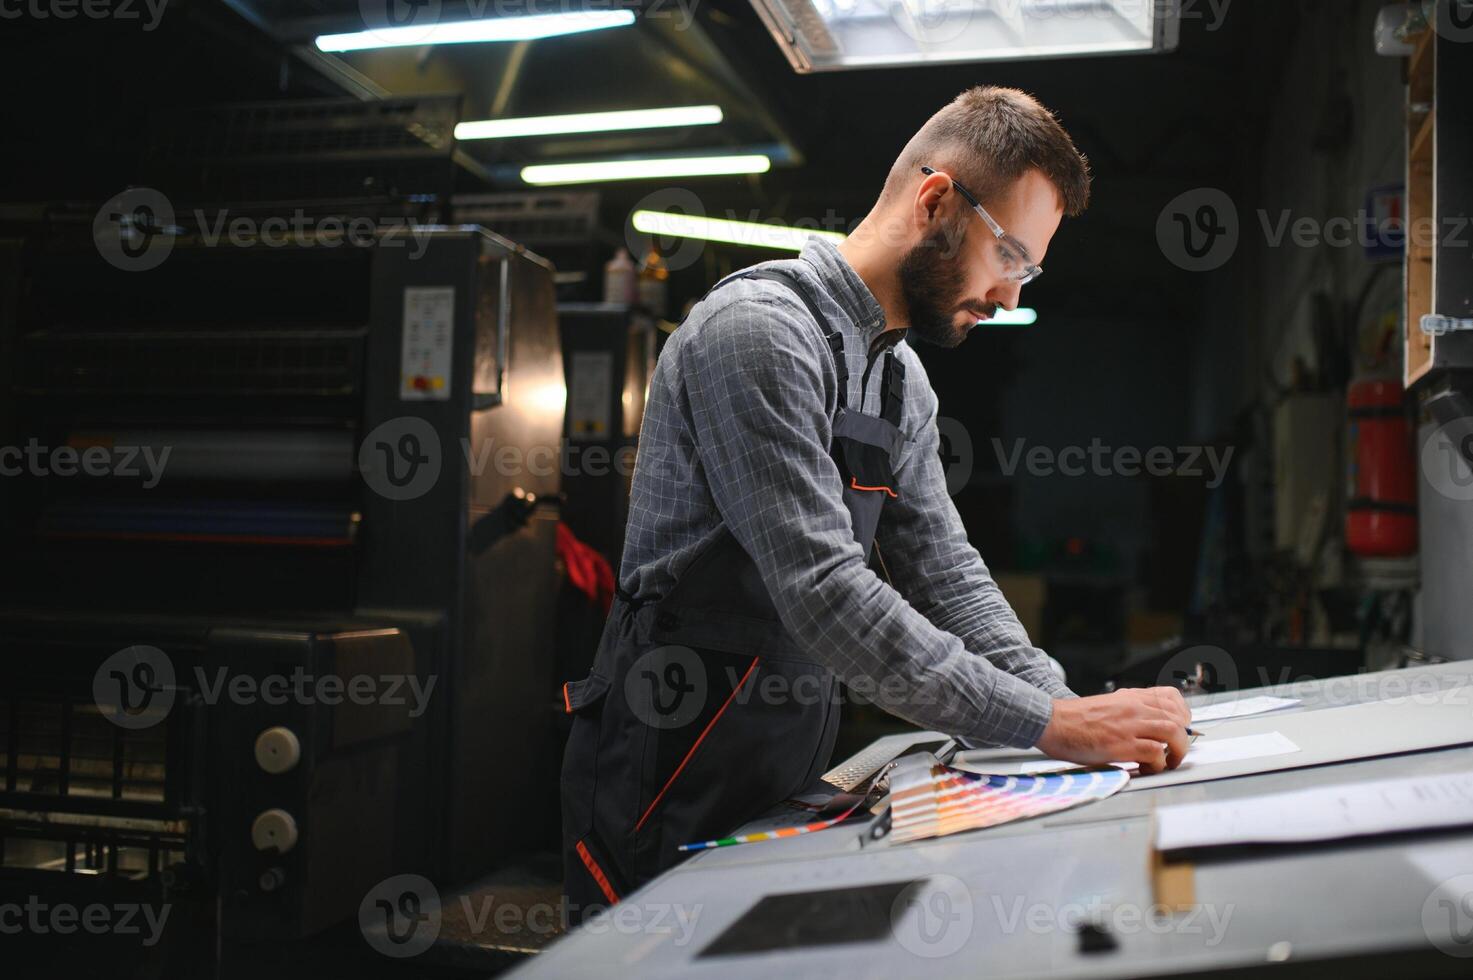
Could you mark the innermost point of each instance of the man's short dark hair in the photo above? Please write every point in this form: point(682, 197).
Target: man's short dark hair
point(989, 137)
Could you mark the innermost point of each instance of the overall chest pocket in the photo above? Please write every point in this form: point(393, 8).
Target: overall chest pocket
point(867, 448)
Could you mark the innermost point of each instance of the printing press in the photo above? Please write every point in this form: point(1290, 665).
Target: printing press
point(348, 595)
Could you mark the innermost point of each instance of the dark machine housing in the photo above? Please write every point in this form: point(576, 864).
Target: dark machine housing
point(330, 507)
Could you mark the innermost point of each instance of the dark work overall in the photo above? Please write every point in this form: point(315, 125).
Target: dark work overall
point(700, 712)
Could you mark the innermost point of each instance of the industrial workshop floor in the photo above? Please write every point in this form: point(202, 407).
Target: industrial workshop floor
point(486, 928)
point(500, 920)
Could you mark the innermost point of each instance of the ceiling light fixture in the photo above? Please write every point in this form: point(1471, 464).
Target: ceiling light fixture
point(1023, 316)
point(589, 122)
point(756, 234)
point(484, 30)
point(594, 171)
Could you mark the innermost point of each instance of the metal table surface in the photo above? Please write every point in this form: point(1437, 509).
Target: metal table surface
point(1009, 901)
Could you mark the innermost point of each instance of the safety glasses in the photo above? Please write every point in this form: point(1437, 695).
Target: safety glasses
point(1018, 266)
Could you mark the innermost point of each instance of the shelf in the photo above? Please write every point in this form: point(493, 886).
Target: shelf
point(1422, 142)
point(1421, 146)
point(1419, 66)
point(1420, 83)
point(1438, 260)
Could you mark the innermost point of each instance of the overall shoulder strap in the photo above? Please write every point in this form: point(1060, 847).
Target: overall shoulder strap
point(834, 337)
point(892, 387)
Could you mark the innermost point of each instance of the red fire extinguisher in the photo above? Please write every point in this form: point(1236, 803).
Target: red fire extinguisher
point(1381, 509)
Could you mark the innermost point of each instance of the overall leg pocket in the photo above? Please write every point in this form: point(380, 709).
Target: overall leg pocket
point(585, 701)
point(746, 741)
point(592, 875)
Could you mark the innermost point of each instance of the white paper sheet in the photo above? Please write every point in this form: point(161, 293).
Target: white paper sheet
point(1032, 767)
point(1208, 750)
point(1335, 734)
point(1325, 813)
point(1241, 708)
point(1205, 751)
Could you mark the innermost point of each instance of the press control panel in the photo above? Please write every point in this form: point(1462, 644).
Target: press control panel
point(426, 357)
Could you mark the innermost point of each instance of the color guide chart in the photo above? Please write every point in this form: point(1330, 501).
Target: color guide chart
point(929, 799)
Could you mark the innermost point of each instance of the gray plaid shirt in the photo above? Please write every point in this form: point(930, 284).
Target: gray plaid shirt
point(736, 435)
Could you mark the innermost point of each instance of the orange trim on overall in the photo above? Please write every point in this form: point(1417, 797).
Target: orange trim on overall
point(567, 704)
point(597, 872)
point(699, 739)
point(854, 483)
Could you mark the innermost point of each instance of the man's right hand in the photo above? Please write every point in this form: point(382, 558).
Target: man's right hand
point(1143, 725)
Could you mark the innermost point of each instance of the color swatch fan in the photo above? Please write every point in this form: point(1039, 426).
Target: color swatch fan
point(929, 799)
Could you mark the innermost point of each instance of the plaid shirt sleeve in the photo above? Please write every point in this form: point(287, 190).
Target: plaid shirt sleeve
point(757, 385)
point(931, 561)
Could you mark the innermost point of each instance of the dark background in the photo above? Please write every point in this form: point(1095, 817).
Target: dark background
point(1279, 104)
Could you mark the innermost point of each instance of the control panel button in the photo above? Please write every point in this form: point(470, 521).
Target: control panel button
point(274, 829)
point(278, 750)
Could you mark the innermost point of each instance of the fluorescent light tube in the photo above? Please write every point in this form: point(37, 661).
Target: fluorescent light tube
point(527, 28)
point(589, 122)
point(592, 172)
point(756, 234)
point(1023, 316)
